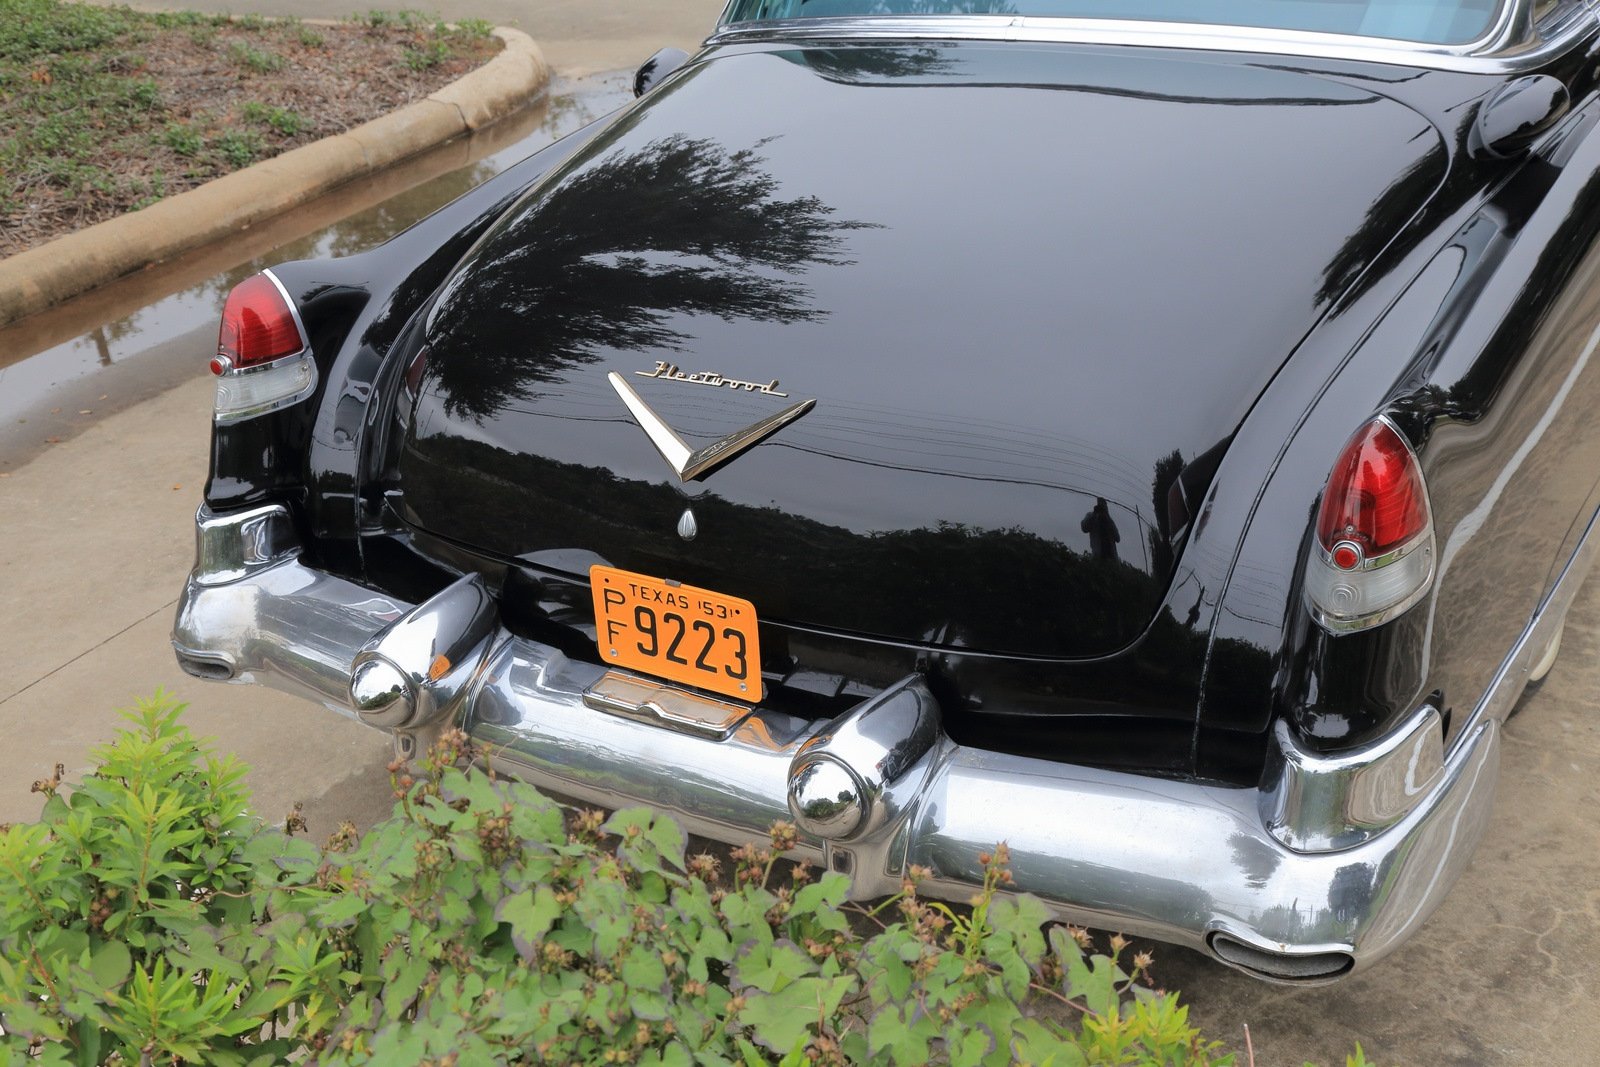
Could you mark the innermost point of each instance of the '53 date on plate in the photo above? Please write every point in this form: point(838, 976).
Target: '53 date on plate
point(678, 632)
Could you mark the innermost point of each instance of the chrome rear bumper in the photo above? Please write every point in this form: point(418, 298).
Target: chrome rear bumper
point(1323, 871)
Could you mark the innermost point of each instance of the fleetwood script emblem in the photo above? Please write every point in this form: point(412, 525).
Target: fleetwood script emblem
point(688, 463)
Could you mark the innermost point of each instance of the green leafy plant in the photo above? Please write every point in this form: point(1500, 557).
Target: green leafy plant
point(184, 140)
point(405, 18)
point(260, 60)
point(286, 122)
point(38, 28)
point(471, 28)
point(116, 901)
point(424, 56)
point(239, 147)
point(148, 918)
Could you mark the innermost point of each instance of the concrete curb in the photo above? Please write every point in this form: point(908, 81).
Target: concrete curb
point(78, 262)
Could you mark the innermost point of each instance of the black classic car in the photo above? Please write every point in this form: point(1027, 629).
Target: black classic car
point(1160, 436)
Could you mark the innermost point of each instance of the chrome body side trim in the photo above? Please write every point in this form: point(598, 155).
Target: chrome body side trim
point(1182, 861)
point(1510, 45)
point(1512, 678)
point(1315, 803)
point(240, 544)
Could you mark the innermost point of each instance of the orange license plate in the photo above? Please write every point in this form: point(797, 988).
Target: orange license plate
point(677, 632)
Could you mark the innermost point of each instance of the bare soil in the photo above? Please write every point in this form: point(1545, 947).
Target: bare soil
point(175, 100)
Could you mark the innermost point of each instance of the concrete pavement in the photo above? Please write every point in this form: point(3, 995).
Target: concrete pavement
point(97, 536)
point(95, 541)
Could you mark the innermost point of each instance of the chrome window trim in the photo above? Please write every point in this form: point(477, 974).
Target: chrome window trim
point(1511, 45)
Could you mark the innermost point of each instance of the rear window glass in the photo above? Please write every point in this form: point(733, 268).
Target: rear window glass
point(1423, 21)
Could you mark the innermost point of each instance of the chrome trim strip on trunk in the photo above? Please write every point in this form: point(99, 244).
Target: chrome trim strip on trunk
point(1181, 861)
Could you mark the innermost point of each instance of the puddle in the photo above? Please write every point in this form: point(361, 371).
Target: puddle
point(139, 336)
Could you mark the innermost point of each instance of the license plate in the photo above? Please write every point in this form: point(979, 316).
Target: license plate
point(677, 632)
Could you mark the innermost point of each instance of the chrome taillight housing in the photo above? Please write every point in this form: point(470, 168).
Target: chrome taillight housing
point(1373, 552)
point(263, 361)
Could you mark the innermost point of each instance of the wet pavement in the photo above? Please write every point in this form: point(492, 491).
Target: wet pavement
point(104, 419)
point(155, 329)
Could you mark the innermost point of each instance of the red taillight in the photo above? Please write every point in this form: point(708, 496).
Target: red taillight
point(258, 326)
point(1375, 502)
point(1374, 558)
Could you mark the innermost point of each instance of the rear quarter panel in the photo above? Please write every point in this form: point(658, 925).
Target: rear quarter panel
point(1482, 353)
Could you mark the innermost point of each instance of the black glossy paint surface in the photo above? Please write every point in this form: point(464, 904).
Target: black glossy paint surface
point(1026, 287)
point(1031, 289)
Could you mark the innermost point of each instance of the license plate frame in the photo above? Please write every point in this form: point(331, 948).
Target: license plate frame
point(679, 633)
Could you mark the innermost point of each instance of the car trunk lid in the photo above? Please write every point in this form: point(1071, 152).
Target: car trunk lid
point(1031, 303)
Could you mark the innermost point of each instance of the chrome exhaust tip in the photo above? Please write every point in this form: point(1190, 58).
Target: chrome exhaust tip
point(211, 668)
point(1305, 969)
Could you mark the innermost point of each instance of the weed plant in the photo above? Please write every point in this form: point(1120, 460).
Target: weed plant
point(260, 60)
point(147, 917)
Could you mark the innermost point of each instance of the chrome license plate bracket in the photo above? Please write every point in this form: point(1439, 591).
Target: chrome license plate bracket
point(659, 704)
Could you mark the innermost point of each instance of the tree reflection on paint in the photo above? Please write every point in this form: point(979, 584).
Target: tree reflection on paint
point(605, 259)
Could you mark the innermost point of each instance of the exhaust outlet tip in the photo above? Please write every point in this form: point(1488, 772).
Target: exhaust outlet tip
point(1280, 967)
point(212, 670)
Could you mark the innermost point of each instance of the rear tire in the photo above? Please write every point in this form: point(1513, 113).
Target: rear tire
point(1548, 660)
point(1539, 671)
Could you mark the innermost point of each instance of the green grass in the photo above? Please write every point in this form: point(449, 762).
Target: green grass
point(30, 29)
point(240, 147)
point(88, 131)
point(429, 55)
point(60, 112)
point(260, 60)
point(183, 139)
point(286, 122)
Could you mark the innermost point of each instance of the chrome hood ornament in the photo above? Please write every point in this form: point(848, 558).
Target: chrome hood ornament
point(688, 463)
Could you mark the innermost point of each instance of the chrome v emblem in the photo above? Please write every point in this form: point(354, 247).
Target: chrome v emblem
point(688, 463)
